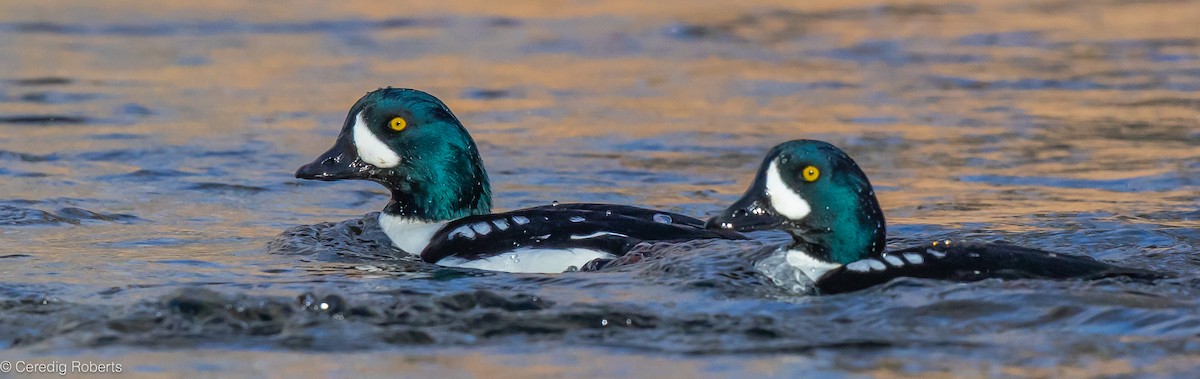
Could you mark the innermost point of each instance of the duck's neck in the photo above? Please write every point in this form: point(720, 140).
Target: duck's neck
point(451, 184)
point(434, 202)
point(850, 229)
point(418, 209)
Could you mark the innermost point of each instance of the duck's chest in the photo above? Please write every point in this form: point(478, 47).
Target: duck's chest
point(511, 243)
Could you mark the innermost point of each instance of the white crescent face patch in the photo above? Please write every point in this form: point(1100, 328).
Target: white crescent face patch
point(370, 148)
point(783, 199)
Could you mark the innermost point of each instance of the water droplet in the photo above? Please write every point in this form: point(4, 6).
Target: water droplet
point(608, 212)
point(324, 306)
point(662, 218)
point(603, 322)
point(554, 203)
point(628, 322)
point(513, 257)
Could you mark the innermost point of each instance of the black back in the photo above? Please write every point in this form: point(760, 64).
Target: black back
point(968, 262)
point(610, 228)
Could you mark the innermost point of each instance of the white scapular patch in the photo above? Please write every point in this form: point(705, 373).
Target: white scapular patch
point(866, 265)
point(411, 236)
point(876, 264)
point(482, 228)
point(859, 266)
point(813, 268)
point(528, 260)
point(520, 220)
point(464, 232)
point(935, 253)
point(597, 234)
point(785, 201)
point(370, 148)
point(893, 260)
point(500, 224)
point(914, 258)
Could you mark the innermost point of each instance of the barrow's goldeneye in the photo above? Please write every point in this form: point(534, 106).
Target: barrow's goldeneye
point(440, 208)
point(815, 192)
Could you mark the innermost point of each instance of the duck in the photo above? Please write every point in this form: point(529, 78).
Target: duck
point(440, 208)
point(816, 193)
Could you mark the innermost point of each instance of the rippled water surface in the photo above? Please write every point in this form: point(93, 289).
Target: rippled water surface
point(148, 213)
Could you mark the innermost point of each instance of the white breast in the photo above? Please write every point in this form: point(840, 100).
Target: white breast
point(530, 260)
point(811, 267)
point(411, 236)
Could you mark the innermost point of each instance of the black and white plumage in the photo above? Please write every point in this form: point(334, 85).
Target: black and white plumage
point(410, 142)
point(968, 262)
point(546, 239)
point(816, 193)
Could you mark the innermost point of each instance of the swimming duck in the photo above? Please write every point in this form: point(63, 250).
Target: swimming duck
point(815, 192)
point(440, 207)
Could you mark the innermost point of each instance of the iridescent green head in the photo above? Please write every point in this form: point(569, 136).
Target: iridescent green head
point(814, 191)
point(410, 142)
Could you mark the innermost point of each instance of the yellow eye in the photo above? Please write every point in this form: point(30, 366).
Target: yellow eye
point(811, 173)
point(398, 124)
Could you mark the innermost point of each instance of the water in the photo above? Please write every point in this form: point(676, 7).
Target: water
point(149, 216)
